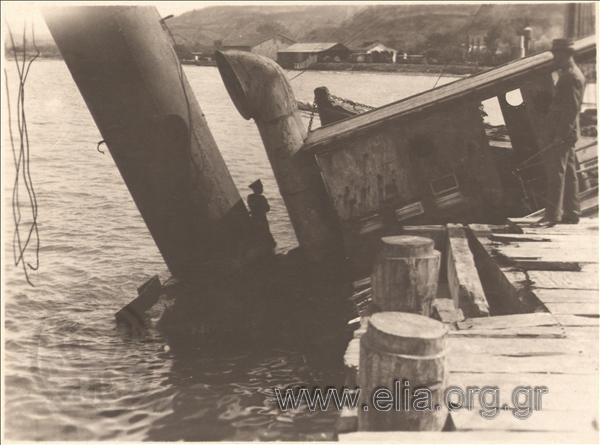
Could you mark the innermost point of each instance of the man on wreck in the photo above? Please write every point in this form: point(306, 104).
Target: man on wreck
point(562, 201)
point(259, 207)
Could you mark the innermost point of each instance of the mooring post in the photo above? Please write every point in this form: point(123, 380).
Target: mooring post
point(260, 90)
point(405, 276)
point(124, 64)
point(402, 373)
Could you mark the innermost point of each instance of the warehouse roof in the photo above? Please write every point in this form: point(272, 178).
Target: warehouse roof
point(314, 47)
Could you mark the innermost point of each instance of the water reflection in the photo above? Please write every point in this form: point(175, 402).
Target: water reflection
point(70, 373)
point(229, 395)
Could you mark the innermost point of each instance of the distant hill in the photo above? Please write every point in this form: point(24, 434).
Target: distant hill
point(413, 28)
point(408, 27)
point(198, 29)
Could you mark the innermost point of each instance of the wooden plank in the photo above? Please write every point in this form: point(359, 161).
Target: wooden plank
point(351, 359)
point(559, 266)
point(549, 252)
point(583, 333)
point(509, 321)
point(361, 294)
point(586, 337)
point(513, 333)
point(581, 243)
point(517, 278)
point(569, 308)
point(532, 221)
point(565, 280)
point(566, 392)
point(530, 225)
point(443, 309)
point(517, 237)
point(362, 283)
point(515, 364)
point(511, 288)
point(508, 346)
point(476, 87)
point(585, 383)
point(525, 221)
point(567, 295)
point(148, 296)
point(576, 320)
point(463, 278)
point(461, 437)
point(484, 230)
point(543, 237)
point(560, 421)
point(582, 228)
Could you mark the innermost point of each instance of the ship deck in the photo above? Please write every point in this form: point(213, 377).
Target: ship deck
point(554, 347)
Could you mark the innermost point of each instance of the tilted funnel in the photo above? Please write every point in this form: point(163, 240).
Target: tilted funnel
point(124, 64)
point(260, 90)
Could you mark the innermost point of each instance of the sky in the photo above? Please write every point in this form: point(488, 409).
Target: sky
point(15, 14)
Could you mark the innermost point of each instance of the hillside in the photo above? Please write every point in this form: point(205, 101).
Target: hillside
point(198, 29)
point(413, 28)
point(409, 27)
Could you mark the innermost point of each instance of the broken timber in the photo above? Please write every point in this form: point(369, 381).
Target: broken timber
point(463, 278)
point(554, 347)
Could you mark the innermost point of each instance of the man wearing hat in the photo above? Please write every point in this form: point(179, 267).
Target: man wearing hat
point(259, 207)
point(562, 205)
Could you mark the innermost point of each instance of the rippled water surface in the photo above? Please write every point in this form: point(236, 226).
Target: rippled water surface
point(70, 373)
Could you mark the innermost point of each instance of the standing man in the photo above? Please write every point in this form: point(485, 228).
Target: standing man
point(259, 207)
point(563, 119)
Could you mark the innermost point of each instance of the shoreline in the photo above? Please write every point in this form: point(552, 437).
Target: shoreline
point(418, 69)
point(415, 69)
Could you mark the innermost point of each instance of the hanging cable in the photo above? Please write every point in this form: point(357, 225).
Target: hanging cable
point(462, 31)
point(22, 160)
point(347, 41)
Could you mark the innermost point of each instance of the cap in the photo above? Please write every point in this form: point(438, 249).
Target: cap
point(562, 45)
point(256, 184)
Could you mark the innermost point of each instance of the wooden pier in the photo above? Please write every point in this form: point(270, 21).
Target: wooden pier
point(546, 335)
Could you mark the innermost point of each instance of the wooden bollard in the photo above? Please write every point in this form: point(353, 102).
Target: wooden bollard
point(405, 276)
point(402, 359)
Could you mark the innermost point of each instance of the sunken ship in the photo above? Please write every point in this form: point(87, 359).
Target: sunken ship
point(365, 173)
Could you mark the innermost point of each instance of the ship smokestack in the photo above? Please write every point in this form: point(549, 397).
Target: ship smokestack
point(125, 66)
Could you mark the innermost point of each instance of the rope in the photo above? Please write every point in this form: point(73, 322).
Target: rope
point(312, 116)
point(527, 162)
point(299, 74)
point(21, 159)
point(462, 32)
point(351, 102)
point(347, 42)
point(371, 25)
